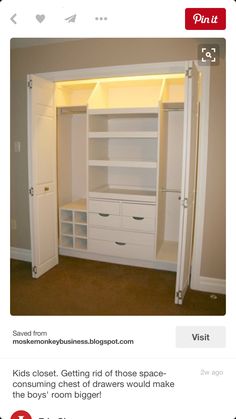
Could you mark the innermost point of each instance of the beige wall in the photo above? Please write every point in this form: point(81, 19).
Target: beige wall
point(85, 53)
point(214, 245)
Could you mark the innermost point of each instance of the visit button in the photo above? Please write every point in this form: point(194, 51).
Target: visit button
point(200, 337)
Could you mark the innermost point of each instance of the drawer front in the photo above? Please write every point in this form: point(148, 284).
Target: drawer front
point(138, 210)
point(139, 223)
point(121, 236)
point(104, 207)
point(127, 250)
point(104, 220)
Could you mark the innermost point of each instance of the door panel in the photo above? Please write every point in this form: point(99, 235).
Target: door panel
point(188, 184)
point(42, 175)
point(43, 139)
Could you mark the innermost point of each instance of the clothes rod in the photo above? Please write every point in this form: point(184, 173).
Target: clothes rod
point(173, 109)
point(170, 190)
point(72, 109)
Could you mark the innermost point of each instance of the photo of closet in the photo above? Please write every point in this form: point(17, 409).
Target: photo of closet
point(118, 177)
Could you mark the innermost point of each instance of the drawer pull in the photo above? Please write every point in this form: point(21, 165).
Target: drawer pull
point(120, 243)
point(138, 218)
point(103, 215)
point(46, 188)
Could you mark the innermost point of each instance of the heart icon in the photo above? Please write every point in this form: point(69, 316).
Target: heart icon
point(40, 18)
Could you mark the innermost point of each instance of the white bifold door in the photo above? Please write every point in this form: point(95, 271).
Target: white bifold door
point(42, 174)
point(188, 182)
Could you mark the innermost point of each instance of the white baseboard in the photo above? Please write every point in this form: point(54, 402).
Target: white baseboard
point(21, 254)
point(208, 284)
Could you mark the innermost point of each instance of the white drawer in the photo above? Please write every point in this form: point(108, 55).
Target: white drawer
point(104, 207)
point(104, 220)
point(121, 236)
point(119, 249)
point(139, 223)
point(138, 210)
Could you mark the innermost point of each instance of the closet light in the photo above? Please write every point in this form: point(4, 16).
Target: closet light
point(154, 77)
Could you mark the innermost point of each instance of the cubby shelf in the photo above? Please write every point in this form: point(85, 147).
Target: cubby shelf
point(73, 225)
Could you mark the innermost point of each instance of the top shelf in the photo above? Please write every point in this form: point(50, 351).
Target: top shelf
point(121, 111)
point(114, 95)
point(123, 134)
point(80, 205)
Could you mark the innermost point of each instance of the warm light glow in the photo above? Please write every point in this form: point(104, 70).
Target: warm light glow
point(121, 79)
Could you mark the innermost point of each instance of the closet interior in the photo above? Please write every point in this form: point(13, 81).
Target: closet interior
point(119, 167)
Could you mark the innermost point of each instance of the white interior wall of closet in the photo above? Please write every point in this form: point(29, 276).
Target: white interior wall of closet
point(72, 162)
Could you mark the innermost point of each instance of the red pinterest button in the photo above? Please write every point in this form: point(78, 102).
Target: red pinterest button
point(21, 414)
point(205, 18)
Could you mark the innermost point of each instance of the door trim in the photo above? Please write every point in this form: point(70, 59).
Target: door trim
point(201, 182)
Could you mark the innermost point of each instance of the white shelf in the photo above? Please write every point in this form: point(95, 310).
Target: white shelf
point(123, 134)
point(168, 251)
point(80, 237)
point(122, 163)
point(122, 111)
point(80, 205)
point(125, 194)
point(80, 223)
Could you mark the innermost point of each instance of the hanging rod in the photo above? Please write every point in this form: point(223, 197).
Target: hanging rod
point(72, 109)
point(170, 190)
point(173, 109)
point(173, 106)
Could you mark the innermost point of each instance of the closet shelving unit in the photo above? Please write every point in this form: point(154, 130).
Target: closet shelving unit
point(128, 206)
point(123, 153)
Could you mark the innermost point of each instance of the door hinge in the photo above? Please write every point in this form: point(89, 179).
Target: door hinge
point(34, 270)
point(179, 295)
point(30, 84)
point(31, 191)
point(188, 72)
point(184, 202)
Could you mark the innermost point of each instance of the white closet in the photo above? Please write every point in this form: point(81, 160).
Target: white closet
point(125, 159)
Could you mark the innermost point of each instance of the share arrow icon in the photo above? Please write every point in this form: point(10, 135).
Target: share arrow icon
point(71, 19)
point(13, 19)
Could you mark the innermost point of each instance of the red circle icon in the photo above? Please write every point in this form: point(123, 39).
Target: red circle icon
point(21, 414)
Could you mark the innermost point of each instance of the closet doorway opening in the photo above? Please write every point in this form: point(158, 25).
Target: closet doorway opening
point(120, 155)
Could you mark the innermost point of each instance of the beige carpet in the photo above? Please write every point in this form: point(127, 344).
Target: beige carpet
point(84, 287)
